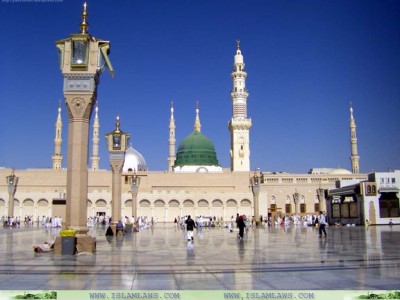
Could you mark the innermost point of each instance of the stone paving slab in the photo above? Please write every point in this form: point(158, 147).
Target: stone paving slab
point(161, 258)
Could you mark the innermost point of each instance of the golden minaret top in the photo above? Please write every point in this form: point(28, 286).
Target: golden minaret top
point(84, 24)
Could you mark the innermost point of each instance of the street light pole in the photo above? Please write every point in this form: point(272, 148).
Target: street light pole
point(255, 184)
point(296, 197)
point(12, 182)
point(117, 142)
point(135, 182)
point(321, 198)
point(82, 58)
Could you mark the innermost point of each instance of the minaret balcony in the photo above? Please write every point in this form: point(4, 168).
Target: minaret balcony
point(243, 94)
point(238, 74)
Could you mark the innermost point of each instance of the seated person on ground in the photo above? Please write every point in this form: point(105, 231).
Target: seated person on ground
point(45, 247)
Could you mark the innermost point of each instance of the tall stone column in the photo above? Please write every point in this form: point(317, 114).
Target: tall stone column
point(82, 58)
point(296, 200)
point(10, 203)
point(12, 181)
point(134, 205)
point(117, 162)
point(117, 142)
point(80, 106)
point(321, 198)
point(256, 192)
point(135, 181)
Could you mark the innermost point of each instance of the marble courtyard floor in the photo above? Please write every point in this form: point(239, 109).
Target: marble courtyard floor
point(350, 258)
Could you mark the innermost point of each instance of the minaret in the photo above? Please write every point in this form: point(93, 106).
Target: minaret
point(239, 125)
point(197, 124)
point(57, 157)
point(95, 142)
point(355, 159)
point(171, 141)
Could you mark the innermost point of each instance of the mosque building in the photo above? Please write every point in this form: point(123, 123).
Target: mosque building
point(194, 183)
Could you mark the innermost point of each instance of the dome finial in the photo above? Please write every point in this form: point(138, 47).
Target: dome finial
point(197, 125)
point(97, 111)
point(351, 110)
point(84, 24)
point(172, 109)
point(238, 44)
point(117, 125)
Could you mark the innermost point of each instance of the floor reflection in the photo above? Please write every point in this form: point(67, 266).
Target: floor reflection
point(162, 258)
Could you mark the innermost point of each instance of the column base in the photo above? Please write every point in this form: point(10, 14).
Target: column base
point(84, 243)
point(80, 230)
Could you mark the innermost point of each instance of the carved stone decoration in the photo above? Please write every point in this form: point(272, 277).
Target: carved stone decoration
point(80, 107)
point(239, 124)
point(78, 104)
point(116, 166)
point(116, 157)
point(80, 83)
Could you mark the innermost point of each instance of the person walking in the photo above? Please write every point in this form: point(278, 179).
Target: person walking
point(322, 224)
point(241, 224)
point(190, 226)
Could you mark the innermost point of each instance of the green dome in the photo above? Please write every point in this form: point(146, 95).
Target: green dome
point(196, 150)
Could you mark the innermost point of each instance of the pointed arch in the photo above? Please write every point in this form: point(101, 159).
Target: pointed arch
point(174, 210)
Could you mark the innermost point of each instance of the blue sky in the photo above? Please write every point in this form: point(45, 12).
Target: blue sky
point(306, 60)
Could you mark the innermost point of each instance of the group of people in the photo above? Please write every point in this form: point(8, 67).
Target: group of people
point(201, 221)
point(10, 221)
point(137, 224)
point(189, 224)
point(186, 222)
point(29, 221)
point(242, 223)
point(288, 220)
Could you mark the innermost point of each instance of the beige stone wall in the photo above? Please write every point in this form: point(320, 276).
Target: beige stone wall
point(168, 195)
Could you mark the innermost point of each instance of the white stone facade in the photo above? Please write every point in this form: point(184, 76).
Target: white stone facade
point(380, 203)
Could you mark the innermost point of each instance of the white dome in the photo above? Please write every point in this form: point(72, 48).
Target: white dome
point(134, 161)
point(340, 172)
